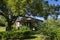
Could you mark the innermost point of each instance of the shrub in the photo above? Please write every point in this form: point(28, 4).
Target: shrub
point(51, 29)
point(17, 34)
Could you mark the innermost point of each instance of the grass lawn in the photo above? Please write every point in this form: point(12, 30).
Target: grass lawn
point(2, 29)
point(38, 37)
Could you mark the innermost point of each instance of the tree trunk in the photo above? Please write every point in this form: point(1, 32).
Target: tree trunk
point(45, 17)
point(56, 17)
point(8, 28)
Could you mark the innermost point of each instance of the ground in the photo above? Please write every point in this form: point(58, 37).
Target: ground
point(2, 29)
point(37, 37)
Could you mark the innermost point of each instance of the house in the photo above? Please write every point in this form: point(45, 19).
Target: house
point(28, 21)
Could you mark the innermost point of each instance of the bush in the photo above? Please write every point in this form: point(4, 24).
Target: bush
point(12, 35)
point(51, 28)
point(17, 34)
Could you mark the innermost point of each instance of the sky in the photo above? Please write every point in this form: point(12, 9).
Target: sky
point(54, 2)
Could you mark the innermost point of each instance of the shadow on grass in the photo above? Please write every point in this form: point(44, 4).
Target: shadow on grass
point(30, 37)
point(24, 38)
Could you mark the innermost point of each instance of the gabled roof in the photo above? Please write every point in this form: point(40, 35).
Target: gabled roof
point(33, 17)
point(37, 18)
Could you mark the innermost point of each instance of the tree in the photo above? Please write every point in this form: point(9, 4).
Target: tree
point(37, 7)
point(41, 8)
point(10, 9)
point(54, 11)
point(6, 13)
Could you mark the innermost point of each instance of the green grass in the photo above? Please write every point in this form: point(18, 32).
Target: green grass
point(2, 29)
point(39, 37)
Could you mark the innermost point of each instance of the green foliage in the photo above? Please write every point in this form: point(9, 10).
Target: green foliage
point(23, 29)
point(51, 29)
point(2, 19)
point(17, 6)
point(24, 32)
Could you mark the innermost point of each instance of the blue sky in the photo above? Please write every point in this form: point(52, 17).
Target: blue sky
point(54, 2)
